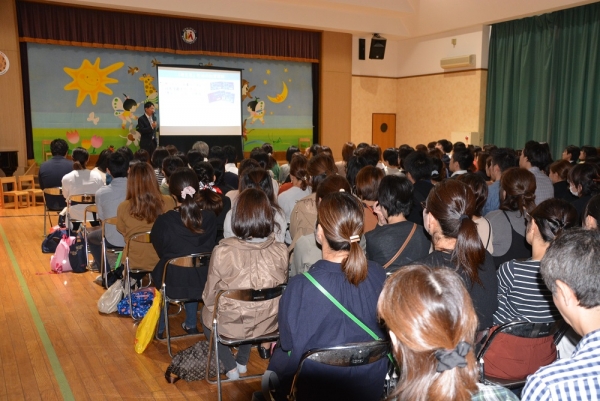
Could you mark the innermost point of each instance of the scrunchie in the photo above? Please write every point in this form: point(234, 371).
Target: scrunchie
point(188, 191)
point(449, 359)
point(463, 217)
point(209, 186)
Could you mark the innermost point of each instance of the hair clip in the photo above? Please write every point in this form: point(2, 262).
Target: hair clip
point(354, 238)
point(435, 172)
point(188, 191)
point(343, 190)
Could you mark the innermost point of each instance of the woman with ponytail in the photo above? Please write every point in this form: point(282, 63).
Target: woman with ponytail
point(187, 229)
point(447, 217)
point(300, 189)
point(80, 181)
point(308, 319)
point(210, 196)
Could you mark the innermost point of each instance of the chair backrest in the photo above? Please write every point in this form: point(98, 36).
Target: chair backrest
point(55, 191)
point(9, 180)
point(250, 295)
point(142, 237)
point(28, 180)
point(192, 261)
point(82, 198)
point(110, 220)
point(347, 355)
point(525, 330)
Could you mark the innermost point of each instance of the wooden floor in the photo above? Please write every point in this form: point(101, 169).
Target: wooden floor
point(94, 352)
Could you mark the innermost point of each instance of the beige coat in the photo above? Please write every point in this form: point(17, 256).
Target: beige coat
point(239, 264)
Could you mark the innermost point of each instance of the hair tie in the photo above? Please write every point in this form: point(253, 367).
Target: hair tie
point(463, 217)
point(435, 172)
point(188, 191)
point(353, 238)
point(208, 186)
point(449, 359)
point(343, 190)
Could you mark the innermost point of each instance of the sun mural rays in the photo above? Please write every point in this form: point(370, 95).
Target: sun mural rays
point(89, 79)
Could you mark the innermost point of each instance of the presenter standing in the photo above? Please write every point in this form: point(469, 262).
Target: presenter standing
point(147, 128)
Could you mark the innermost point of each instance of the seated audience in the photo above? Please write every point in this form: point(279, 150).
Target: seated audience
point(187, 229)
point(193, 156)
point(138, 212)
point(587, 152)
point(101, 165)
point(592, 214)
point(284, 169)
point(571, 271)
point(393, 232)
point(558, 174)
point(308, 319)
point(300, 189)
point(274, 166)
point(172, 149)
point(230, 159)
point(354, 165)
point(347, 152)
point(251, 259)
point(418, 168)
point(584, 182)
point(80, 181)
point(439, 172)
point(169, 165)
point(160, 153)
point(264, 159)
point(571, 154)
point(448, 219)
point(312, 151)
point(244, 165)
point(219, 177)
point(461, 162)
point(502, 160)
point(367, 183)
point(142, 156)
point(477, 184)
point(517, 198)
point(201, 147)
point(480, 163)
point(391, 161)
point(535, 157)
point(53, 170)
point(210, 196)
point(226, 179)
point(432, 324)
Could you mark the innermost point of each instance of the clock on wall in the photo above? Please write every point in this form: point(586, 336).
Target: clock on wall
point(3, 63)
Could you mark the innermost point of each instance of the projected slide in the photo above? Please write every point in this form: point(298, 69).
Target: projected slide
point(199, 101)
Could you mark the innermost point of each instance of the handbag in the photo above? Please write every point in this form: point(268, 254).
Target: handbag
point(141, 301)
point(147, 327)
point(110, 299)
point(406, 241)
point(190, 364)
point(78, 255)
point(51, 241)
point(59, 262)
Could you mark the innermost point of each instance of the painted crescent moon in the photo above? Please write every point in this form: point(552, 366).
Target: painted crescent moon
point(280, 97)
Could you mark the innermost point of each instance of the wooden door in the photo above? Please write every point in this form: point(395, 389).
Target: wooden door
point(384, 130)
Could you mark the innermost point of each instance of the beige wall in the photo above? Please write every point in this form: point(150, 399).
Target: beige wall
point(12, 121)
point(427, 108)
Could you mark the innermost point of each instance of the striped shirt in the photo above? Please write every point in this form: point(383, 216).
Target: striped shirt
point(522, 294)
point(569, 379)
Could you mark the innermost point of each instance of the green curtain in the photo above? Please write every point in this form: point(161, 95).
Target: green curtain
point(544, 80)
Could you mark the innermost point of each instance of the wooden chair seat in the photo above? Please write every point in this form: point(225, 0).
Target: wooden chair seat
point(16, 195)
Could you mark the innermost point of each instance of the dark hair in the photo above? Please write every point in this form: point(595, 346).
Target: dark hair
point(379, 152)
point(573, 151)
point(118, 165)
point(204, 171)
point(141, 155)
point(252, 216)
point(216, 152)
point(476, 183)
point(80, 157)
point(481, 161)
point(219, 170)
point(340, 215)
point(457, 146)
point(261, 157)
point(182, 156)
point(125, 151)
point(230, 154)
point(488, 147)
point(552, 216)
point(446, 145)
point(593, 209)
point(367, 182)
point(438, 172)
point(158, 156)
point(207, 199)
point(319, 167)
point(172, 149)
point(404, 151)
point(369, 154)
point(331, 184)
point(201, 147)
point(504, 158)
point(464, 157)
point(148, 104)
point(452, 204)
point(348, 151)
point(325, 149)
point(102, 161)
point(290, 152)
point(590, 151)
point(170, 164)
point(145, 200)
point(436, 153)
point(395, 195)
point(261, 179)
point(537, 154)
point(299, 170)
point(59, 147)
point(421, 148)
point(361, 146)
point(353, 166)
point(190, 210)
point(518, 185)
point(194, 156)
point(314, 149)
point(586, 175)
point(246, 164)
point(561, 168)
point(418, 165)
point(573, 259)
point(392, 157)
point(431, 145)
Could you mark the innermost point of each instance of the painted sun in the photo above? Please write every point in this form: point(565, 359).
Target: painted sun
point(90, 79)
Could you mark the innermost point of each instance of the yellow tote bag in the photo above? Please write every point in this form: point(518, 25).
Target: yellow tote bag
point(147, 327)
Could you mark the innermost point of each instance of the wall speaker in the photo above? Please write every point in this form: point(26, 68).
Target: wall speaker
point(377, 50)
point(361, 49)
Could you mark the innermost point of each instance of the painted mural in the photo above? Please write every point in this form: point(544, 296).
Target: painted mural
point(93, 97)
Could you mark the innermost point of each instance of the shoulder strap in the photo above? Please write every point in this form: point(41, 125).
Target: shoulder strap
point(406, 241)
point(489, 233)
point(340, 306)
point(507, 218)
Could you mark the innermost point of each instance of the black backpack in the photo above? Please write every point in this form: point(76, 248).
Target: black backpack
point(77, 255)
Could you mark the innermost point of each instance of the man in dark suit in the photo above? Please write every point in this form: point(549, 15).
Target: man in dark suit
point(147, 129)
point(53, 170)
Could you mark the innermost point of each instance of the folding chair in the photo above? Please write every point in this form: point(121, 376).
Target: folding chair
point(140, 238)
point(50, 192)
point(27, 183)
point(245, 295)
point(519, 329)
point(78, 199)
point(13, 192)
point(89, 209)
point(192, 261)
point(348, 355)
point(106, 250)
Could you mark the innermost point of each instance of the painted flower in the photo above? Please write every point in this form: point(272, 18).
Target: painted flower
point(97, 141)
point(73, 136)
point(86, 143)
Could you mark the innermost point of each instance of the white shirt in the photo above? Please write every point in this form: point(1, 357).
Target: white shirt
point(79, 182)
point(231, 168)
point(287, 200)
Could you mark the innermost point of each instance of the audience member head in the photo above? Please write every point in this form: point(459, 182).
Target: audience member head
point(261, 179)
point(549, 219)
point(489, 148)
point(128, 153)
point(183, 185)
point(421, 148)
point(391, 157)
point(261, 157)
point(403, 152)
point(299, 170)
point(367, 183)
point(170, 164)
point(332, 184)
point(584, 180)
point(571, 153)
point(326, 149)
point(361, 146)
point(535, 154)
point(379, 152)
point(102, 161)
point(458, 145)
point(348, 151)
point(591, 215)
point(207, 198)
point(481, 161)
point(429, 314)
point(462, 159)
point(502, 160)
point(586, 152)
point(141, 155)
point(80, 158)
point(158, 156)
point(517, 190)
point(219, 170)
point(216, 152)
point(252, 215)
point(354, 165)
point(431, 145)
point(183, 157)
point(339, 226)
point(370, 154)
point(439, 173)
point(230, 154)
point(201, 147)
point(205, 173)
point(444, 145)
point(59, 147)
point(394, 196)
point(559, 170)
point(291, 151)
point(145, 200)
point(312, 151)
point(172, 149)
point(418, 166)
point(477, 184)
point(193, 156)
point(319, 167)
point(245, 165)
point(118, 165)
point(448, 216)
point(438, 154)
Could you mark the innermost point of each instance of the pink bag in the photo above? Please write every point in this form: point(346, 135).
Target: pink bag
point(59, 262)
